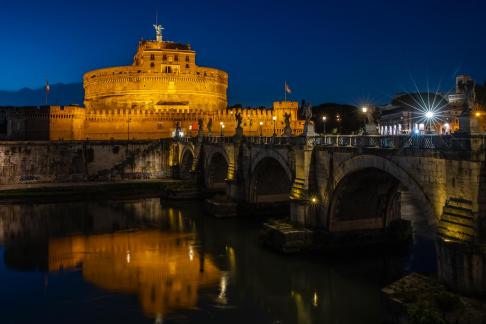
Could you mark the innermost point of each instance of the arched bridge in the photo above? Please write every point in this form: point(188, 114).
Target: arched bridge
point(349, 183)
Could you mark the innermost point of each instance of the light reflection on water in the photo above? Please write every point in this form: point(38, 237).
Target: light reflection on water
point(141, 261)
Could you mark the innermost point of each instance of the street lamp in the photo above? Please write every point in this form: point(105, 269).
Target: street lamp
point(324, 118)
point(429, 115)
point(338, 119)
point(222, 127)
point(190, 130)
point(274, 118)
point(364, 109)
point(261, 128)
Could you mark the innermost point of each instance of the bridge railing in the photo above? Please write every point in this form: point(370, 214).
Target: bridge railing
point(276, 140)
point(427, 141)
point(422, 141)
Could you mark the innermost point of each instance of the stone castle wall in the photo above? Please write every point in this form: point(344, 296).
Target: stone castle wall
point(25, 162)
point(127, 87)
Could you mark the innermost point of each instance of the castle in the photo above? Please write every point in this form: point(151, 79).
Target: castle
point(162, 90)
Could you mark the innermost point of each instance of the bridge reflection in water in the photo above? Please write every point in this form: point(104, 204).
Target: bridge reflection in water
point(133, 261)
point(163, 269)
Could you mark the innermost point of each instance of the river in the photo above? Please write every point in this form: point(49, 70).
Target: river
point(147, 261)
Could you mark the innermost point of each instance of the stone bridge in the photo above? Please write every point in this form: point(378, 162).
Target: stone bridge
point(349, 183)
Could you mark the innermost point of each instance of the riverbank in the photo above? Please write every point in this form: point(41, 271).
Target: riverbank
point(127, 189)
point(421, 299)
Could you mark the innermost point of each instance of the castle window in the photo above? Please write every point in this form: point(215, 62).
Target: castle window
point(176, 58)
point(168, 69)
point(152, 64)
point(187, 66)
point(152, 57)
point(187, 58)
point(164, 57)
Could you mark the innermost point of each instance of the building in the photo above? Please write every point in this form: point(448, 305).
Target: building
point(420, 113)
point(162, 89)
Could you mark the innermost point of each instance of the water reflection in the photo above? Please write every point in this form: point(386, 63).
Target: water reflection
point(161, 268)
point(138, 261)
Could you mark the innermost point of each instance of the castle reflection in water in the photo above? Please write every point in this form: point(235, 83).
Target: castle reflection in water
point(120, 252)
point(140, 261)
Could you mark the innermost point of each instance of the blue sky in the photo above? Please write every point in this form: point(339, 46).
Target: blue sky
point(328, 51)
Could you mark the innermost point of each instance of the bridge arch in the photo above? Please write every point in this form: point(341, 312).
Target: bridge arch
point(366, 194)
point(216, 170)
point(270, 179)
point(186, 161)
point(273, 155)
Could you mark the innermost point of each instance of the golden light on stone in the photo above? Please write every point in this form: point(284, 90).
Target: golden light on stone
point(145, 100)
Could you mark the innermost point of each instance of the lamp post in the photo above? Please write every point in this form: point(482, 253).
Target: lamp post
point(338, 119)
point(274, 118)
point(429, 115)
point(261, 128)
point(324, 118)
point(364, 109)
point(222, 127)
point(190, 130)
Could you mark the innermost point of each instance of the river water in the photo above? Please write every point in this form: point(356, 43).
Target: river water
point(147, 261)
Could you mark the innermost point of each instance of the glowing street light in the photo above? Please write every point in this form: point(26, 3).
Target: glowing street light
point(429, 114)
point(261, 128)
point(324, 118)
point(364, 109)
point(478, 114)
point(222, 127)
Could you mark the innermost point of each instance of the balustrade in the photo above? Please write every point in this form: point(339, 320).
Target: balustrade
point(427, 141)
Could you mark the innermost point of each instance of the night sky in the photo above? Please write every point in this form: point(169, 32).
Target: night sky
point(328, 51)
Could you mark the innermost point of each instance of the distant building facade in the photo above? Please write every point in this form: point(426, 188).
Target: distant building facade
point(163, 88)
point(406, 114)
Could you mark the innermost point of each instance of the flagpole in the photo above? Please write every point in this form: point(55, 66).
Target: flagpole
point(47, 89)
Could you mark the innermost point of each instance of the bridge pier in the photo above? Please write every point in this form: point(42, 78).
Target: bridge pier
point(300, 199)
point(462, 266)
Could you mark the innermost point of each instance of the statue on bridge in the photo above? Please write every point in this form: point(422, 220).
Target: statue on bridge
point(308, 125)
point(467, 123)
point(287, 129)
point(239, 120)
point(200, 127)
point(210, 126)
point(307, 108)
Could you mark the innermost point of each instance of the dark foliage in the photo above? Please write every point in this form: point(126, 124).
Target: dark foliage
point(352, 119)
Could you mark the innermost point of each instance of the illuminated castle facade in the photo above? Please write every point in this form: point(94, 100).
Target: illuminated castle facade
point(163, 88)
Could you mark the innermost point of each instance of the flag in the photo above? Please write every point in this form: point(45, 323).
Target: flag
point(48, 87)
point(287, 88)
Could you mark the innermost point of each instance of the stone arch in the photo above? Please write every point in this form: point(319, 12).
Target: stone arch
point(186, 161)
point(274, 155)
point(367, 173)
point(216, 170)
point(270, 180)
